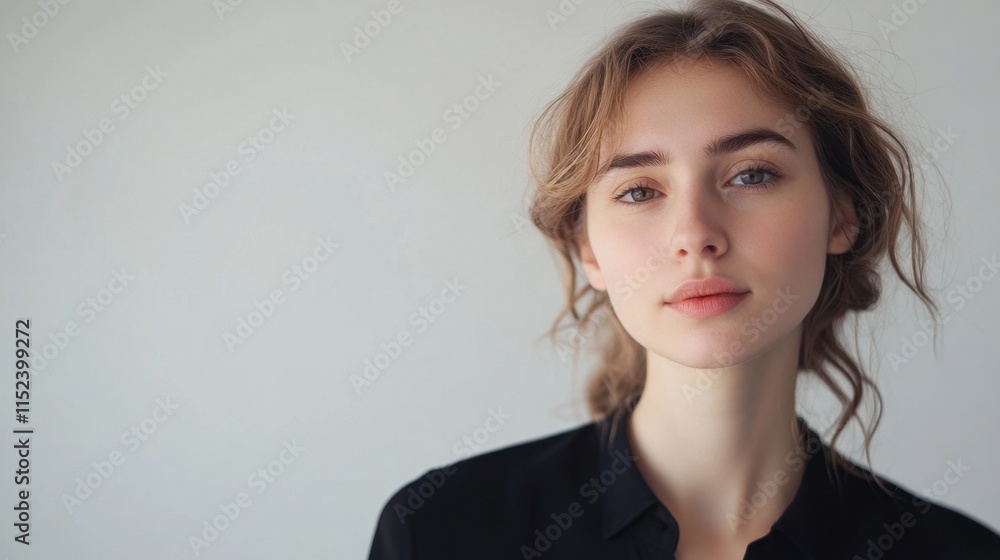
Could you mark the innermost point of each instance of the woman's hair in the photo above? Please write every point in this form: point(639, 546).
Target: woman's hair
point(859, 156)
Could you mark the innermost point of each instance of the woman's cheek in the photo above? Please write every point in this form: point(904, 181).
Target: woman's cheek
point(798, 256)
point(629, 270)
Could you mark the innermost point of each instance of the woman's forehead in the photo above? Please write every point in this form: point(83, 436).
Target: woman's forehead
point(688, 107)
point(692, 94)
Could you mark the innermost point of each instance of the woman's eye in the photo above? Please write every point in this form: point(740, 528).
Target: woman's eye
point(753, 177)
point(636, 195)
point(756, 177)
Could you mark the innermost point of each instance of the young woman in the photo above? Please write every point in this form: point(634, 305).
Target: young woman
point(721, 182)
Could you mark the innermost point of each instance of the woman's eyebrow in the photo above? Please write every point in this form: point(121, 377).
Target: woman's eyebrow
point(724, 145)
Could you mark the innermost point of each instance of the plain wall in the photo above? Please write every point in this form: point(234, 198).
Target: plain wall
point(66, 236)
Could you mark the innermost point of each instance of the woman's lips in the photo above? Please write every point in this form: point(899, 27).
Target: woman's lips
point(707, 306)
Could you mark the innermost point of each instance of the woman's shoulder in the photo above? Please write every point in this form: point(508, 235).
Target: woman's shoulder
point(503, 474)
point(911, 522)
point(505, 487)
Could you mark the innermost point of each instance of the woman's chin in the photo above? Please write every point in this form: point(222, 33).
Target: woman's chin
point(708, 355)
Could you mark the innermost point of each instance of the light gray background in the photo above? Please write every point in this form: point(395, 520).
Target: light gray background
point(458, 217)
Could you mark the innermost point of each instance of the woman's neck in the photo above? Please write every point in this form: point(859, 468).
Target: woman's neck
point(718, 447)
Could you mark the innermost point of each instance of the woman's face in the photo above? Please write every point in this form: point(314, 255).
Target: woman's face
point(753, 210)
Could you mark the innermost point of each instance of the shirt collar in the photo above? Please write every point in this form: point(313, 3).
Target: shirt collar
point(805, 522)
point(627, 495)
point(816, 507)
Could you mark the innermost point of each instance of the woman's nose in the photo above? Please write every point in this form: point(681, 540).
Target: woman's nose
point(695, 225)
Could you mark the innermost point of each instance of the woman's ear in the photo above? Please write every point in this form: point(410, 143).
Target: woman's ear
point(589, 263)
point(843, 225)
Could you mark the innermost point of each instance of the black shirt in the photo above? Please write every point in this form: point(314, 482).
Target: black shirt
point(570, 496)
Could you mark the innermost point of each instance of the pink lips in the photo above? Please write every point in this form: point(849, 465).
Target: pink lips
point(706, 297)
point(707, 306)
